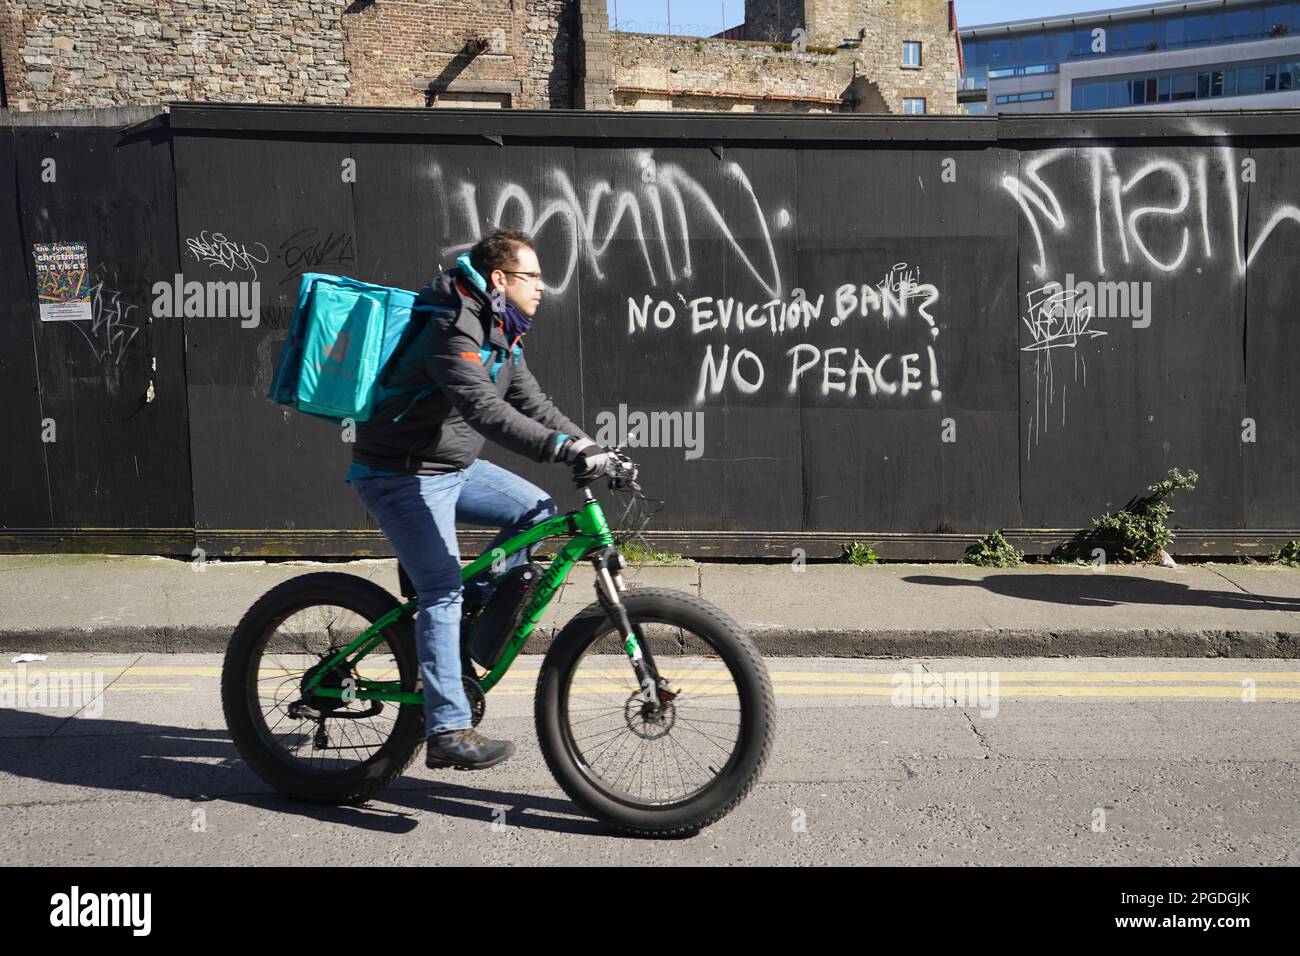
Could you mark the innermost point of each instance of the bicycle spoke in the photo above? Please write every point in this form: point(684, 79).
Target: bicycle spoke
point(660, 757)
point(314, 634)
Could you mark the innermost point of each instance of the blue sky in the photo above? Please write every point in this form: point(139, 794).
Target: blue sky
point(699, 17)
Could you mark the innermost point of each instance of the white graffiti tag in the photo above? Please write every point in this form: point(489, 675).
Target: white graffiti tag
point(216, 250)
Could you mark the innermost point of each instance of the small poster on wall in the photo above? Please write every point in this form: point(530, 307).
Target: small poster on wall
point(62, 282)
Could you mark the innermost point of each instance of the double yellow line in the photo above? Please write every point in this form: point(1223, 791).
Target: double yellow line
point(1241, 685)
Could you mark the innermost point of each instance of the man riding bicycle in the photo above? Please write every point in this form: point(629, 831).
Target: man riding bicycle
point(416, 466)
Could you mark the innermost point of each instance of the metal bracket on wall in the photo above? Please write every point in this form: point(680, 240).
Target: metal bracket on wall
point(716, 149)
point(493, 138)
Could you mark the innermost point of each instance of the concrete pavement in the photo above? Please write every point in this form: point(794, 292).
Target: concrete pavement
point(108, 603)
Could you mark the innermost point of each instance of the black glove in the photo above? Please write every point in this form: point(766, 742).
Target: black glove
point(588, 460)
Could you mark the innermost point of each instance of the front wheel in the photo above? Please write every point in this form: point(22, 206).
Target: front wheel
point(664, 770)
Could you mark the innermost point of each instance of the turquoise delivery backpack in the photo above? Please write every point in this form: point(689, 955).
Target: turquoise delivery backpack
point(341, 337)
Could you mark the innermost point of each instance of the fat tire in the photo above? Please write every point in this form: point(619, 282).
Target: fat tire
point(365, 598)
point(757, 726)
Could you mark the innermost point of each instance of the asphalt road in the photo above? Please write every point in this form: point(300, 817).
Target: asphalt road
point(1071, 761)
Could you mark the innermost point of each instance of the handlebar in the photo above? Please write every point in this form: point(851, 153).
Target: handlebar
point(621, 471)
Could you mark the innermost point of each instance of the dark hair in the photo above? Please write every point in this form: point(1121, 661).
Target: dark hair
point(498, 250)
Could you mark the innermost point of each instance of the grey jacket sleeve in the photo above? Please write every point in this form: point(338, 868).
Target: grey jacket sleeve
point(457, 369)
point(526, 395)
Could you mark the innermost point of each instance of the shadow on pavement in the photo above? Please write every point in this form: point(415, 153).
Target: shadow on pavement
point(1107, 589)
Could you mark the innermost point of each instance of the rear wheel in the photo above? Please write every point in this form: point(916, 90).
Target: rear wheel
point(662, 770)
point(320, 749)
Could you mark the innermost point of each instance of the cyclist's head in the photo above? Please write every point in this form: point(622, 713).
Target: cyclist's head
point(507, 259)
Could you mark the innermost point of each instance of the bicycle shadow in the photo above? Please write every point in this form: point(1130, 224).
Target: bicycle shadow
point(1108, 589)
point(202, 766)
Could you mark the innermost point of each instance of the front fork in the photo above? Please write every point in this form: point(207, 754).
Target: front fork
point(609, 565)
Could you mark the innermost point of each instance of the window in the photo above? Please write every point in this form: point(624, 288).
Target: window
point(1026, 97)
point(1237, 24)
point(1033, 70)
point(911, 53)
point(1140, 90)
point(1198, 31)
point(1256, 27)
point(1140, 35)
point(1250, 79)
point(1176, 33)
point(913, 104)
point(999, 53)
point(1032, 49)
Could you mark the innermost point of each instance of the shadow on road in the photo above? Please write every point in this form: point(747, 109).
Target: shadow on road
point(203, 766)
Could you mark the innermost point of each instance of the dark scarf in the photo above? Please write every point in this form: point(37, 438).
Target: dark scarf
point(515, 322)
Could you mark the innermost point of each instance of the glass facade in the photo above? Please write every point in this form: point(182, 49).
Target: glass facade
point(1026, 97)
point(1204, 82)
point(1042, 51)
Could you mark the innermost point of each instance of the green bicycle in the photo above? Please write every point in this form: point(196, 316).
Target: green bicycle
point(653, 708)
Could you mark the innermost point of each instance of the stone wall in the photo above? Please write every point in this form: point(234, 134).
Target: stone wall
point(662, 72)
point(97, 53)
point(887, 24)
point(879, 27)
point(773, 19)
point(64, 54)
point(396, 48)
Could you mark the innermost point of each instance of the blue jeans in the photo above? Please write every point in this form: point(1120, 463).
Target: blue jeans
point(418, 515)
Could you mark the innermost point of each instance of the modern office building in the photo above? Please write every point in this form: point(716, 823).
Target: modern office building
point(1211, 54)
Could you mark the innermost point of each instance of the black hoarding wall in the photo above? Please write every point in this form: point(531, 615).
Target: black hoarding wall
point(1142, 241)
point(100, 384)
point(25, 494)
point(809, 330)
point(1270, 345)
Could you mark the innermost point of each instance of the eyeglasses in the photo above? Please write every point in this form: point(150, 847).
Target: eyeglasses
point(533, 276)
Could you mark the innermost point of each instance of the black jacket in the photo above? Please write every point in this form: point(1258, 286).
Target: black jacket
point(466, 396)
